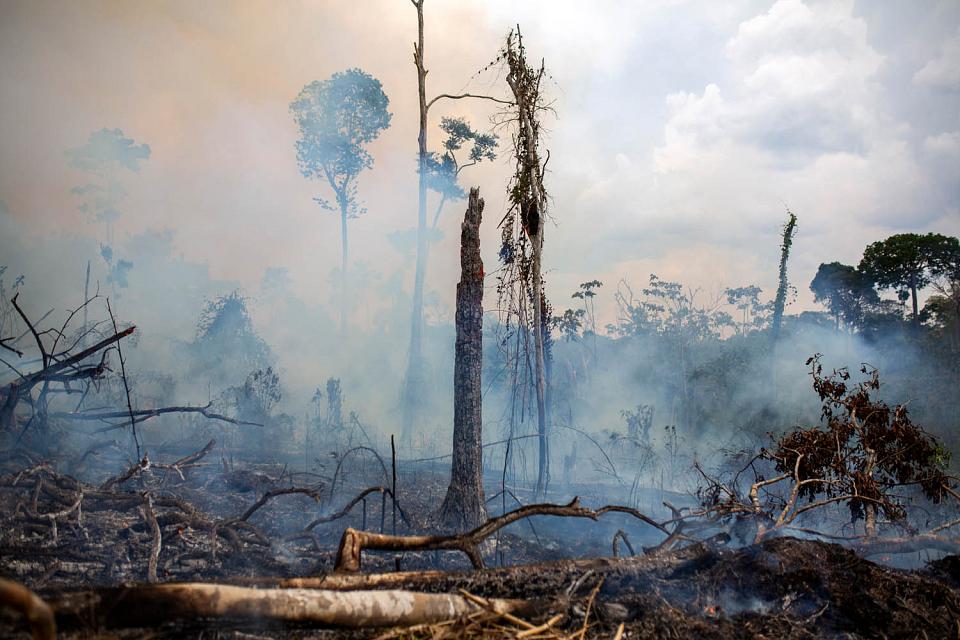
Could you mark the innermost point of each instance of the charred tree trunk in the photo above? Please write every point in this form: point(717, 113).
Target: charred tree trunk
point(464, 506)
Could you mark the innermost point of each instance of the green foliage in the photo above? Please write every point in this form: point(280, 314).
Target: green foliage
point(668, 309)
point(337, 118)
point(780, 301)
point(845, 291)
point(907, 262)
point(569, 324)
point(443, 170)
point(754, 314)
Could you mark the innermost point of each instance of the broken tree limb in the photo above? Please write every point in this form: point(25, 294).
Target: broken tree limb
point(151, 518)
point(15, 391)
point(4, 345)
point(354, 542)
point(350, 505)
point(617, 537)
point(188, 461)
point(37, 612)
point(126, 383)
point(146, 414)
point(149, 605)
point(269, 495)
point(137, 468)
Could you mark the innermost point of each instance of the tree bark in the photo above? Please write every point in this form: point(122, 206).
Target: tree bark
point(533, 214)
point(30, 606)
point(413, 381)
point(464, 506)
point(149, 605)
point(913, 297)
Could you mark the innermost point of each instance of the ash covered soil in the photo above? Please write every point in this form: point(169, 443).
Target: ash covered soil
point(781, 588)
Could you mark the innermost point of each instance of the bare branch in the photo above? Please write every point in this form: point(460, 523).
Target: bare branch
point(269, 495)
point(467, 95)
point(145, 414)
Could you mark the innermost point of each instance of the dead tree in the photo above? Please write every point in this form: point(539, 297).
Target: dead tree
point(528, 202)
point(789, 229)
point(65, 363)
point(413, 383)
point(464, 506)
point(414, 380)
point(56, 367)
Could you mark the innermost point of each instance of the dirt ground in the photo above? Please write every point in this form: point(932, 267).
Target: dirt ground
point(782, 588)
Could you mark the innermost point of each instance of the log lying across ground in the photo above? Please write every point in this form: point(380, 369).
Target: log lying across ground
point(24, 601)
point(783, 587)
point(150, 605)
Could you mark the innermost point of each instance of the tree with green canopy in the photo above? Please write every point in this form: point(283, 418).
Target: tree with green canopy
point(845, 291)
point(443, 169)
point(908, 262)
point(337, 118)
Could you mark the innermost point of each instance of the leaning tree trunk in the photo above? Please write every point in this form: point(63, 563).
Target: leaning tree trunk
point(464, 506)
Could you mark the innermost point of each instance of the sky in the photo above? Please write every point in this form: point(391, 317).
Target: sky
point(682, 130)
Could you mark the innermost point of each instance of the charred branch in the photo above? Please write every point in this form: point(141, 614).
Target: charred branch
point(37, 612)
point(354, 542)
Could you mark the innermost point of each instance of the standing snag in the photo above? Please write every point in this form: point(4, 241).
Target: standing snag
point(525, 223)
point(789, 229)
point(463, 508)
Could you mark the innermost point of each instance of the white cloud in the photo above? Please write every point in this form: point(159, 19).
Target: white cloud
point(796, 116)
point(944, 144)
point(942, 71)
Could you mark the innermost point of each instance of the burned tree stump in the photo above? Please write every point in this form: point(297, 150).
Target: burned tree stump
point(464, 506)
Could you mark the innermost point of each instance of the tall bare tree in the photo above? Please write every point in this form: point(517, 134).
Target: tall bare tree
point(464, 506)
point(529, 199)
point(789, 229)
point(414, 380)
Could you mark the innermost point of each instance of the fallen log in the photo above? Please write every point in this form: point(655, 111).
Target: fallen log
point(925, 542)
point(37, 612)
point(150, 605)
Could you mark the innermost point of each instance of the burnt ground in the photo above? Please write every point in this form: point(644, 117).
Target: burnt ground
point(782, 588)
